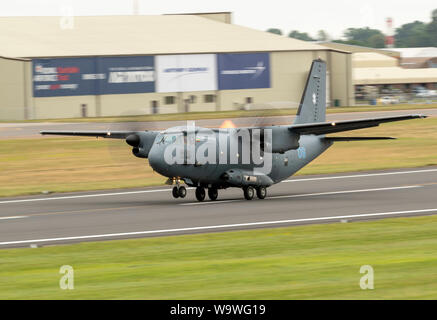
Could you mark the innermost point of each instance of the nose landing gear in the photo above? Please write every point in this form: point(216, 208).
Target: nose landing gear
point(179, 192)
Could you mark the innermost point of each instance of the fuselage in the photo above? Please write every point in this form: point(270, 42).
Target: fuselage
point(215, 152)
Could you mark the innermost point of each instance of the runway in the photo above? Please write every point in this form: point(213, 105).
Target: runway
point(120, 214)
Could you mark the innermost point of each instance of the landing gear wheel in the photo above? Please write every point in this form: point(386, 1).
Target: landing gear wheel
point(249, 192)
point(200, 194)
point(213, 193)
point(182, 192)
point(175, 192)
point(261, 192)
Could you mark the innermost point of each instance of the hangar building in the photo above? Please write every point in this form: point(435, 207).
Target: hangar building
point(64, 67)
point(386, 69)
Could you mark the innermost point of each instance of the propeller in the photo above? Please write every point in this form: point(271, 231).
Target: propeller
point(135, 140)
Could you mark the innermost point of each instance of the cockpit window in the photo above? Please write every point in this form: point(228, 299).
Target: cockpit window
point(160, 139)
point(166, 139)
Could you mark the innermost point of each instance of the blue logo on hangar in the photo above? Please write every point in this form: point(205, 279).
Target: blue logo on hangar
point(243, 71)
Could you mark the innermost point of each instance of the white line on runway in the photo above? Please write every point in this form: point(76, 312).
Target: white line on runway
point(84, 196)
point(360, 175)
point(305, 195)
point(167, 190)
point(224, 226)
point(14, 217)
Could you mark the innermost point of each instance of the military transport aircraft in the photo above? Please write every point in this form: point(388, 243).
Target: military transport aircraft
point(252, 158)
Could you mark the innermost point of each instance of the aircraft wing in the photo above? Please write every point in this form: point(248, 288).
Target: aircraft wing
point(101, 134)
point(339, 126)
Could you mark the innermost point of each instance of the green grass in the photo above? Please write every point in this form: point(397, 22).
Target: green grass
point(233, 114)
point(382, 108)
point(305, 262)
point(30, 166)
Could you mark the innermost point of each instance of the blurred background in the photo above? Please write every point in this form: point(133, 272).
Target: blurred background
point(70, 60)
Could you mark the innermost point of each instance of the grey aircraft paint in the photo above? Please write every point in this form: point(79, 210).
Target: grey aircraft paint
point(298, 150)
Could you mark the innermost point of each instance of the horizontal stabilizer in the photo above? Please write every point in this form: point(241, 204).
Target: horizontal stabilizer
point(334, 139)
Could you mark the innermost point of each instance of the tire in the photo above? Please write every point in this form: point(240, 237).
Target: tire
point(200, 194)
point(182, 192)
point(249, 193)
point(212, 194)
point(261, 192)
point(175, 192)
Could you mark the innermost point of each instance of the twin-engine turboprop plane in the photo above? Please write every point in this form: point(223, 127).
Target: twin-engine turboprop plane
point(252, 158)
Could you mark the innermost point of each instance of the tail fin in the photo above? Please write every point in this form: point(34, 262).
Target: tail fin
point(312, 107)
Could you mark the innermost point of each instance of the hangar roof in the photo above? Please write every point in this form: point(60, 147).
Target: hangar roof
point(355, 48)
point(27, 37)
point(425, 52)
point(372, 59)
point(393, 75)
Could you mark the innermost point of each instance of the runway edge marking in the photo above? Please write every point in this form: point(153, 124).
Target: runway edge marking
point(217, 227)
point(13, 217)
point(360, 175)
point(84, 196)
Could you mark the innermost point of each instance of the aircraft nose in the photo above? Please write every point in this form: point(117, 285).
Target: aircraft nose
point(155, 160)
point(158, 162)
point(166, 160)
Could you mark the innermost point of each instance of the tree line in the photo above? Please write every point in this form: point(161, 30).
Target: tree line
point(409, 35)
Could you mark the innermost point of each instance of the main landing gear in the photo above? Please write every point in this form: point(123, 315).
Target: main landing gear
point(213, 193)
point(261, 192)
point(201, 194)
point(249, 192)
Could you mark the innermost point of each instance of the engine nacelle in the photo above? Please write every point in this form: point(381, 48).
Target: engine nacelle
point(141, 142)
point(282, 140)
point(140, 152)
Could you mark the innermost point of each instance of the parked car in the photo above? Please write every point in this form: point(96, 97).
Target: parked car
point(426, 94)
point(389, 100)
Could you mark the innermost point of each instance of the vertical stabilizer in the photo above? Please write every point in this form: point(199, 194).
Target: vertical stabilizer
point(312, 106)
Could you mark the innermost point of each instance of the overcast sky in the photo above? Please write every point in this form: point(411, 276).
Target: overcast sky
point(334, 16)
